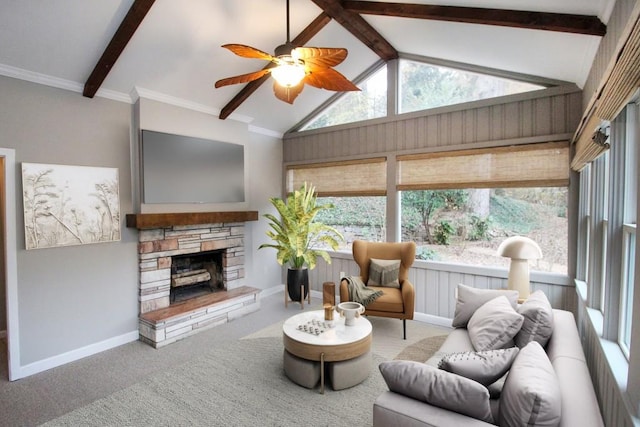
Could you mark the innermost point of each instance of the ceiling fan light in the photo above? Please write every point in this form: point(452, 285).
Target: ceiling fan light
point(289, 71)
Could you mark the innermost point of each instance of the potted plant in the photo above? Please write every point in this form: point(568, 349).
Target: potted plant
point(296, 234)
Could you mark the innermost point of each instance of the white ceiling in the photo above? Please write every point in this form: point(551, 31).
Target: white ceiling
point(175, 54)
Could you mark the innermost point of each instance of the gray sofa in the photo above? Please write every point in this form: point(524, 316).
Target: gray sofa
point(579, 406)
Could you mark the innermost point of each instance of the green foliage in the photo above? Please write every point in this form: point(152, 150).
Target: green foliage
point(513, 215)
point(427, 202)
point(296, 232)
point(427, 254)
point(479, 228)
point(443, 232)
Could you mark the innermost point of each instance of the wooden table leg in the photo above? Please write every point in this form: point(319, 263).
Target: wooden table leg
point(321, 373)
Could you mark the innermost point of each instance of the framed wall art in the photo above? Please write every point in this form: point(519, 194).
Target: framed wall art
point(69, 205)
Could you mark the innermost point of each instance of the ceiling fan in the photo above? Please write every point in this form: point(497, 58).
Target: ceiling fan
point(292, 67)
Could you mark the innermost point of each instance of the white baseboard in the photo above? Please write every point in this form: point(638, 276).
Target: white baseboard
point(3, 334)
point(272, 290)
point(433, 320)
point(73, 355)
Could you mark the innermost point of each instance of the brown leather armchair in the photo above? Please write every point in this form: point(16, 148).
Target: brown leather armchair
point(395, 303)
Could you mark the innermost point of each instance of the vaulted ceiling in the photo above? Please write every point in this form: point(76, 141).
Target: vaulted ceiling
point(170, 50)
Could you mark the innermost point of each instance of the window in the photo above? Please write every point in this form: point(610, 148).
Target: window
point(628, 280)
point(424, 86)
point(584, 224)
point(359, 217)
point(369, 103)
point(466, 226)
point(357, 189)
point(459, 206)
point(609, 186)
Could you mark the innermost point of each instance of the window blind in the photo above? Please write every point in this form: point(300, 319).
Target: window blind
point(534, 165)
point(349, 178)
point(618, 84)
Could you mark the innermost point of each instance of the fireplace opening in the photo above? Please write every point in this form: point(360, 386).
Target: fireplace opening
point(194, 275)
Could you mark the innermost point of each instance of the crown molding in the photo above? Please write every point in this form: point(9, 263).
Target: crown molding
point(56, 82)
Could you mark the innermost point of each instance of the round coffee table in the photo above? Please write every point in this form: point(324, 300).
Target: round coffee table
point(336, 344)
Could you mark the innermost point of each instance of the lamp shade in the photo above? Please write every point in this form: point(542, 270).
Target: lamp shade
point(518, 247)
point(289, 72)
point(520, 250)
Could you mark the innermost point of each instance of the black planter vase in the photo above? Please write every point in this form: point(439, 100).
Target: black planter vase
point(297, 277)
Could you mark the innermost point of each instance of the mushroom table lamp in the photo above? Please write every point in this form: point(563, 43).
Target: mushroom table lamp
point(520, 250)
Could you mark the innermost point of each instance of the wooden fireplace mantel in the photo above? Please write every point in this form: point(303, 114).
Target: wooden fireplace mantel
point(162, 220)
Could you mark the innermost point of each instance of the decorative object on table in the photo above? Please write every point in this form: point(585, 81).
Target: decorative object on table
point(69, 205)
point(296, 234)
point(315, 327)
point(350, 311)
point(397, 303)
point(328, 311)
point(520, 249)
point(328, 293)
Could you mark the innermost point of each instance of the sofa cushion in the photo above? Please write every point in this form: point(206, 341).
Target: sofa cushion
point(538, 320)
point(470, 299)
point(390, 301)
point(531, 394)
point(494, 325)
point(384, 272)
point(485, 367)
point(437, 387)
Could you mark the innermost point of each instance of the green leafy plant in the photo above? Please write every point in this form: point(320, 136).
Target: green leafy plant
point(479, 228)
point(427, 254)
point(443, 232)
point(296, 232)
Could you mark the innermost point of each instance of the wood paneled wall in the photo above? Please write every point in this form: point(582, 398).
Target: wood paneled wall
point(435, 282)
point(610, 397)
point(545, 115)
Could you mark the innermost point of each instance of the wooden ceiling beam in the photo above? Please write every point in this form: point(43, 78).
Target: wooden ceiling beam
point(562, 22)
point(125, 31)
point(359, 27)
point(303, 38)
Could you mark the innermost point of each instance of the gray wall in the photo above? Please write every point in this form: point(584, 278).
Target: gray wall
point(540, 116)
point(79, 296)
point(74, 296)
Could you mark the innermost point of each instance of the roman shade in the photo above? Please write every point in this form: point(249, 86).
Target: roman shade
point(618, 85)
point(366, 177)
point(533, 165)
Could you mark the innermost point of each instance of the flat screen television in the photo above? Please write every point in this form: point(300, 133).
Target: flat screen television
point(183, 169)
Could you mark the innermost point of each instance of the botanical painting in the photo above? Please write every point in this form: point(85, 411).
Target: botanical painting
point(69, 205)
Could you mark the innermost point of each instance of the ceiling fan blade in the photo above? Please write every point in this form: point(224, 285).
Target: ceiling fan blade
point(243, 78)
point(329, 79)
point(287, 94)
point(248, 51)
point(322, 56)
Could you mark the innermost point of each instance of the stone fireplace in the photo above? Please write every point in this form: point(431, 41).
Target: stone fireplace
point(191, 273)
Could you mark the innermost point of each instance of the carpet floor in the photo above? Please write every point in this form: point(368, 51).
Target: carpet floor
point(240, 384)
point(230, 375)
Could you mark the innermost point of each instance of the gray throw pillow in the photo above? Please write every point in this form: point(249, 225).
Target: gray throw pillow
point(531, 394)
point(494, 325)
point(470, 299)
point(538, 320)
point(438, 388)
point(485, 367)
point(384, 272)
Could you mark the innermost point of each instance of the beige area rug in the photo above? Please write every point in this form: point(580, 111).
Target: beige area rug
point(387, 335)
point(423, 349)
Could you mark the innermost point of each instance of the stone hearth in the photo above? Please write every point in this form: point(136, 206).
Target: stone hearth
point(163, 236)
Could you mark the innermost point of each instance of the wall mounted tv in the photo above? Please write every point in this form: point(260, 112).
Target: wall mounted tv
point(183, 169)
